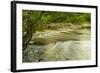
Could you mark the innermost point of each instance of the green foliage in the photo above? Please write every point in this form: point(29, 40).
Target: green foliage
point(52, 17)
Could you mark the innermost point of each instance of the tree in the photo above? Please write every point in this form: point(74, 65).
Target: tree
point(29, 23)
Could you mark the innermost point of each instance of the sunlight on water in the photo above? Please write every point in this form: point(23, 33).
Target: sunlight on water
point(71, 50)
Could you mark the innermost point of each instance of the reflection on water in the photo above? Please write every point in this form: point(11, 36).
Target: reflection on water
point(60, 46)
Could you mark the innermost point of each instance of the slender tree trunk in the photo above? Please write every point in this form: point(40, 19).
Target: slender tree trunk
point(30, 29)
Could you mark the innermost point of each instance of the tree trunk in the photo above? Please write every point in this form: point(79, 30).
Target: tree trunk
point(30, 29)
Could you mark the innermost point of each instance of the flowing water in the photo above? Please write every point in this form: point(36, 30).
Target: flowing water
point(58, 45)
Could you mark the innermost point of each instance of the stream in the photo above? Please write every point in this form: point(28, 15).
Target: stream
point(59, 45)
